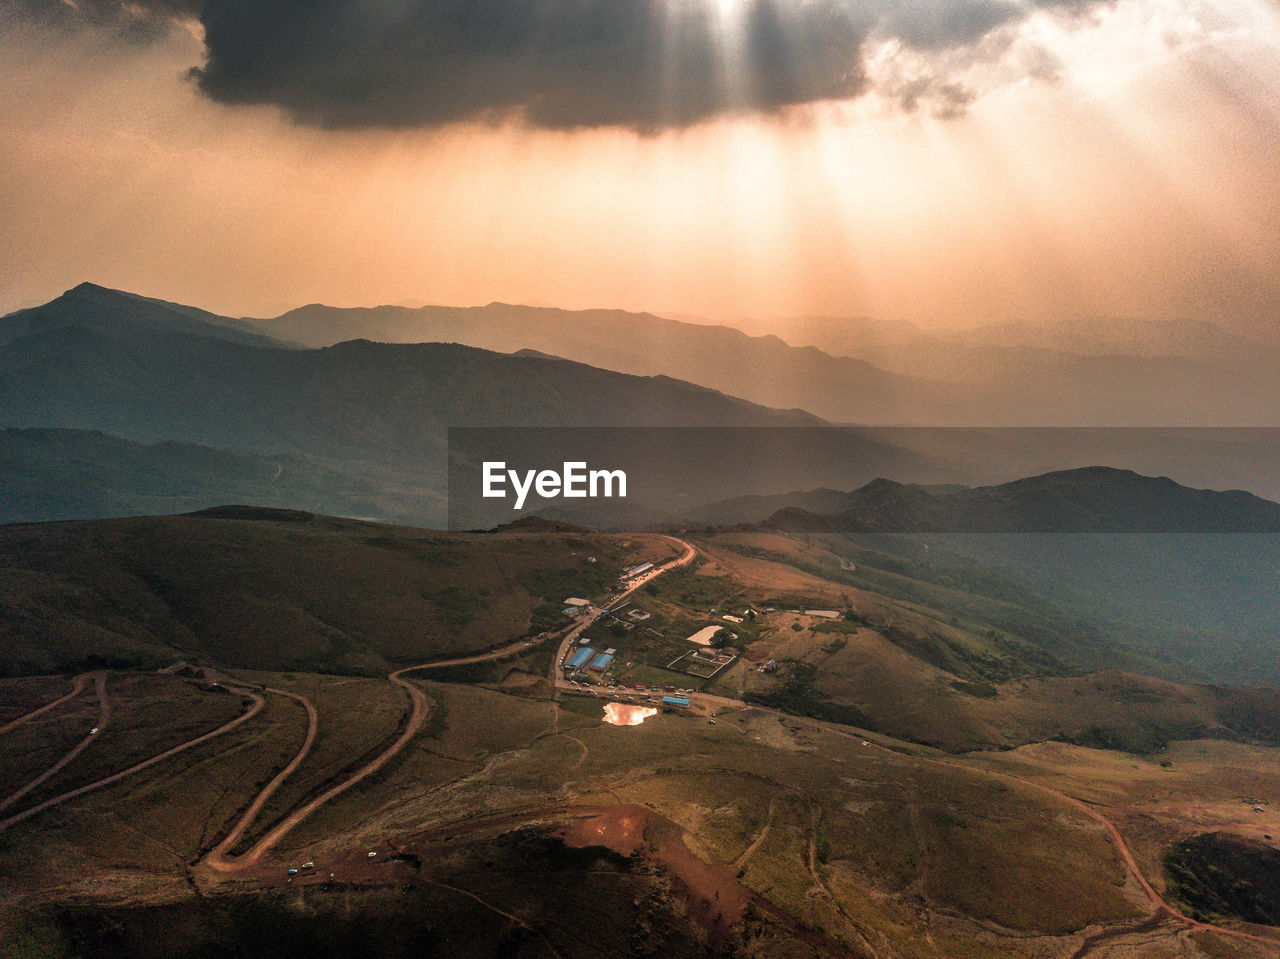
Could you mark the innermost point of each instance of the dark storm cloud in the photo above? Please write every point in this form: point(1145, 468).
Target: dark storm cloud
point(141, 22)
point(643, 64)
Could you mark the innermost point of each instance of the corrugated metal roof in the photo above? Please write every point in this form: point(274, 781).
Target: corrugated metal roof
point(581, 656)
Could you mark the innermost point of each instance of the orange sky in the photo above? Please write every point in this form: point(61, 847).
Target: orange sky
point(1145, 181)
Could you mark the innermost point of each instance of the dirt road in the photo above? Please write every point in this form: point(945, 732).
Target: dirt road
point(80, 682)
point(419, 709)
point(220, 858)
point(557, 680)
point(1163, 909)
point(253, 710)
point(104, 717)
point(1156, 899)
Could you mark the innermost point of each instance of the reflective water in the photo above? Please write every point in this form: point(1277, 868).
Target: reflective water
point(620, 714)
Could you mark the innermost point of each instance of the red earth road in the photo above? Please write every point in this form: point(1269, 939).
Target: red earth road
point(220, 858)
point(80, 682)
point(253, 710)
point(104, 717)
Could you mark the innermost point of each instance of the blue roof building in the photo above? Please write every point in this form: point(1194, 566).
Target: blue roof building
point(580, 657)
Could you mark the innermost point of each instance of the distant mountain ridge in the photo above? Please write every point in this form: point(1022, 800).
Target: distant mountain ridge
point(858, 370)
point(763, 369)
point(96, 360)
point(368, 421)
point(1089, 500)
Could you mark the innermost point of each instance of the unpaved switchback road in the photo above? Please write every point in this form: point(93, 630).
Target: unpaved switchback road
point(253, 710)
point(104, 717)
point(419, 709)
point(80, 682)
point(220, 858)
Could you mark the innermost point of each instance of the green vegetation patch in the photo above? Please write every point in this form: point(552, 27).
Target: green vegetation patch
point(797, 696)
point(1219, 875)
point(456, 606)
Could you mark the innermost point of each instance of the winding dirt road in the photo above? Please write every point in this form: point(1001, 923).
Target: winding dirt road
point(1158, 901)
point(220, 858)
point(419, 709)
point(557, 680)
point(80, 682)
point(104, 717)
point(1162, 909)
point(253, 710)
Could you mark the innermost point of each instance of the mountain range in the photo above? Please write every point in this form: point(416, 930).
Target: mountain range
point(855, 370)
point(99, 360)
point(362, 427)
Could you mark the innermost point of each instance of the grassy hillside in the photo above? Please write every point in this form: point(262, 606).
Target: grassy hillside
point(962, 664)
point(760, 837)
point(278, 590)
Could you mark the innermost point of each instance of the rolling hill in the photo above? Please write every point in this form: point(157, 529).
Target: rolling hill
point(371, 420)
point(271, 589)
point(1185, 575)
point(55, 474)
point(97, 360)
point(960, 663)
point(1091, 500)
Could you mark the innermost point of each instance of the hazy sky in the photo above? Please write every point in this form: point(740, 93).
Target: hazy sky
point(942, 161)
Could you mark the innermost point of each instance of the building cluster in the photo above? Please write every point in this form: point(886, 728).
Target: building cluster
point(587, 658)
point(575, 607)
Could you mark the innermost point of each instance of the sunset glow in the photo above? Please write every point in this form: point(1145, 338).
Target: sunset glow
point(1119, 161)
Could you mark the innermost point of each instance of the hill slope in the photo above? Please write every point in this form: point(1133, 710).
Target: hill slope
point(1187, 575)
point(128, 316)
point(284, 590)
point(73, 474)
point(98, 361)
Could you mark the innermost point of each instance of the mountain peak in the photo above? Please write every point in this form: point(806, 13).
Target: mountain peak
point(87, 290)
point(116, 313)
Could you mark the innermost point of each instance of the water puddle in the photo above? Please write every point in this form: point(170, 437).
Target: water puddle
point(620, 714)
